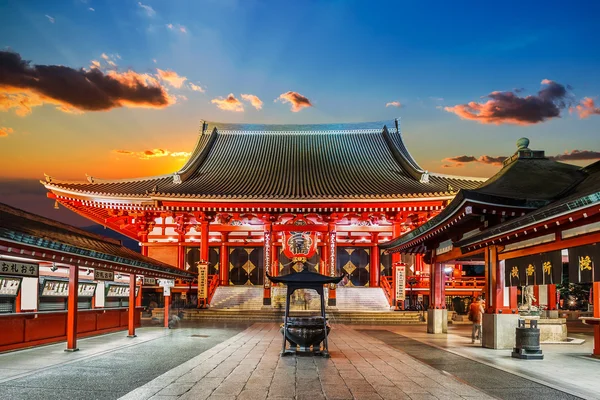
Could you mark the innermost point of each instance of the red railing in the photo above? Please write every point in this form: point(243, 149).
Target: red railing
point(386, 284)
point(213, 283)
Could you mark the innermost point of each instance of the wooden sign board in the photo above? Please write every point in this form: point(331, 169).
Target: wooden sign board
point(149, 281)
point(100, 275)
point(400, 282)
point(202, 281)
point(19, 268)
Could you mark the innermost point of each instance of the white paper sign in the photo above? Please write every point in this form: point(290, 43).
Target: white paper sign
point(400, 282)
point(167, 291)
point(166, 283)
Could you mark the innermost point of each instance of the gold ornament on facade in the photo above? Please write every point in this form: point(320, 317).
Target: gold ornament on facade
point(585, 263)
point(530, 269)
point(547, 265)
point(514, 272)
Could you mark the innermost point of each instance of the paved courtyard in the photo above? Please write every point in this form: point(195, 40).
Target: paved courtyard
point(241, 361)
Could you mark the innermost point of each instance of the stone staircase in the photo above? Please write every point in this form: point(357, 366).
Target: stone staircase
point(250, 298)
point(354, 306)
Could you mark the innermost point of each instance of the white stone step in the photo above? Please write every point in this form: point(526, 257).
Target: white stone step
point(251, 298)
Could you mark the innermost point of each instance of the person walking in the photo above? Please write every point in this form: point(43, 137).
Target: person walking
point(476, 316)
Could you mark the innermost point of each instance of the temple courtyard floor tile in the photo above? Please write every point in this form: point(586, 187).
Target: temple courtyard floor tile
point(242, 361)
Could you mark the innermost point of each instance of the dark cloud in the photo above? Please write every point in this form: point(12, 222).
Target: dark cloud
point(577, 155)
point(508, 107)
point(461, 159)
point(30, 195)
point(23, 86)
point(491, 160)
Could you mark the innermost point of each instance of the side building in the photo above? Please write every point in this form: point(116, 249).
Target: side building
point(258, 198)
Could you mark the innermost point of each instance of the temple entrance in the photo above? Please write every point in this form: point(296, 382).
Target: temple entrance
point(246, 265)
point(288, 265)
point(354, 261)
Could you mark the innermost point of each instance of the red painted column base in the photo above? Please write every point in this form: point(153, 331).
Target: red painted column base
point(167, 307)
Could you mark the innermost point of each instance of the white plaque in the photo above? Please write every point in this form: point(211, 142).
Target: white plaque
point(202, 281)
point(400, 282)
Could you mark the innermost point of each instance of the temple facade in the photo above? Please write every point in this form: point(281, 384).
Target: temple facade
point(257, 199)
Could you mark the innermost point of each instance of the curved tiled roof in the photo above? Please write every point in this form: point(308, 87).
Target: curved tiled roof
point(34, 230)
point(289, 162)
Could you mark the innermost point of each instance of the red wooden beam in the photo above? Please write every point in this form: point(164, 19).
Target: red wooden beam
point(556, 245)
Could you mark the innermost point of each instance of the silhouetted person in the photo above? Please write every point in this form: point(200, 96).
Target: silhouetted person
point(476, 315)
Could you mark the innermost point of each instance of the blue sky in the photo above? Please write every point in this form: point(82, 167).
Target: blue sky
point(348, 58)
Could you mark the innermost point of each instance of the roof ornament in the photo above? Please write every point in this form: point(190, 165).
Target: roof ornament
point(48, 178)
point(89, 178)
point(153, 190)
point(523, 144)
point(203, 126)
point(424, 177)
point(450, 188)
point(176, 178)
point(397, 123)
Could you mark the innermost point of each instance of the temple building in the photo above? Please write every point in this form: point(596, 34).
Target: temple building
point(254, 199)
point(534, 224)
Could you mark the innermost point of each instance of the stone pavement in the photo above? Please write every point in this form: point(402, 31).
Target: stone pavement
point(248, 366)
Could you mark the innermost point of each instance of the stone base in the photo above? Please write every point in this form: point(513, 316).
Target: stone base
point(331, 302)
point(527, 354)
point(266, 301)
point(437, 321)
point(499, 330)
point(551, 314)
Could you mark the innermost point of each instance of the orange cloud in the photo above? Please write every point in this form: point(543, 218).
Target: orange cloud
point(171, 77)
point(297, 101)
point(393, 104)
point(196, 88)
point(586, 108)
point(24, 86)
point(254, 100)
point(154, 153)
point(508, 107)
point(5, 131)
point(229, 104)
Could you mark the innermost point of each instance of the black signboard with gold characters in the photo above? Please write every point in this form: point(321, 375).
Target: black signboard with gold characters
point(584, 264)
point(519, 271)
point(537, 269)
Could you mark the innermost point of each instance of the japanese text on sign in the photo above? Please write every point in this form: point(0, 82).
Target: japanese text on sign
point(100, 275)
point(202, 281)
point(18, 268)
point(400, 282)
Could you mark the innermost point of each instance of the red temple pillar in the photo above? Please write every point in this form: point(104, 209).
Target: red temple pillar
point(274, 255)
point(167, 306)
point(224, 260)
point(596, 303)
point(331, 255)
point(374, 270)
point(396, 232)
point(144, 238)
point(132, 304)
point(494, 282)
point(138, 298)
point(514, 302)
point(72, 308)
point(551, 293)
point(267, 264)
point(437, 315)
point(536, 295)
point(499, 321)
point(323, 257)
point(204, 240)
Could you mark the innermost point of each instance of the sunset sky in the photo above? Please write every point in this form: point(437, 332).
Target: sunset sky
point(116, 89)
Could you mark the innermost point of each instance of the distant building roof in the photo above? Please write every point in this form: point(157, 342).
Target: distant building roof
point(33, 230)
point(288, 162)
point(527, 181)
